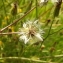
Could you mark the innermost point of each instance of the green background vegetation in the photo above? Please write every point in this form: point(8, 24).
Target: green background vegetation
point(49, 14)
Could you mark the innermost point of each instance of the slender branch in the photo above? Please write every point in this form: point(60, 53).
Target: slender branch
point(56, 56)
point(14, 22)
point(45, 12)
point(9, 33)
point(51, 25)
point(49, 29)
point(48, 32)
point(17, 20)
point(52, 34)
point(56, 31)
point(29, 59)
point(19, 32)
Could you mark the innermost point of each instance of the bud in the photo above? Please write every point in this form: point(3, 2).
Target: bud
point(57, 8)
point(14, 9)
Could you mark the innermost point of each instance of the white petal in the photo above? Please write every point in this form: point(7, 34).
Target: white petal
point(24, 38)
point(38, 36)
point(35, 22)
point(24, 25)
point(41, 1)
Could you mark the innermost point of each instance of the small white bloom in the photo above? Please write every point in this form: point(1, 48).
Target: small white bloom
point(31, 32)
point(38, 36)
point(24, 38)
point(24, 25)
point(41, 1)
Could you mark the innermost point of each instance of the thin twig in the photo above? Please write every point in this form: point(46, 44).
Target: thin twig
point(9, 33)
point(48, 33)
point(49, 29)
point(45, 12)
point(19, 32)
point(15, 21)
point(29, 59)
point(56, 31)
point(56, 56)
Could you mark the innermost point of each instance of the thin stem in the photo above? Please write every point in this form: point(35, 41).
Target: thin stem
point(48, 32)
point(55, 56)
point(17, 20)
point(19, 32)
point(9, 33)
point(23, 58)
point(45, 12)
point(56, 31)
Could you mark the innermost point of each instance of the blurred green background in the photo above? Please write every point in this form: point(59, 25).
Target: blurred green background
point(49, 14)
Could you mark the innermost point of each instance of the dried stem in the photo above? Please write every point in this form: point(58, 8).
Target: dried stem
point(29, 59)
point(14, 22)
point(9, 33)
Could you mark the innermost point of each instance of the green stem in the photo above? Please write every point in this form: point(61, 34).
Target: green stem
point(36, 9)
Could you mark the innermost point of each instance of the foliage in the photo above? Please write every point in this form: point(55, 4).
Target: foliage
point(13, 14)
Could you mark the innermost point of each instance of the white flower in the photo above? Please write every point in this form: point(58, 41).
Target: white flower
point(23, 37)
point(41, 1)
point(38, 36)
point(31, 32)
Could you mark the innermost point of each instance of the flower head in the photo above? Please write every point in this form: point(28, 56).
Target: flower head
point(31, 32)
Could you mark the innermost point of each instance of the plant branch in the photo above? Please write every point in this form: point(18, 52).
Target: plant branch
point(23, 58)
point(17, 20)
point(56, 56)
point(30, 59)
point(9, 33)
point(19, 32)
point(56, 31)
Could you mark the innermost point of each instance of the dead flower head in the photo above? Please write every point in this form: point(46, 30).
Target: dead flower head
point(31, 32)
